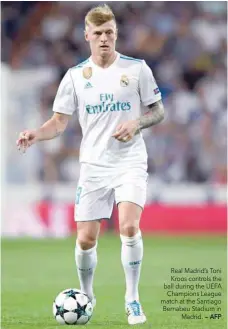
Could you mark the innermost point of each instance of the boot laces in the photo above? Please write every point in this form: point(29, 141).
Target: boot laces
point(134, 308)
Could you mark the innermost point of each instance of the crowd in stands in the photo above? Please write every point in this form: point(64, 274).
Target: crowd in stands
point(185, 44)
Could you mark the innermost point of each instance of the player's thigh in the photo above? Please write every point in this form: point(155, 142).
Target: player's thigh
point(130, 197)
point(131, 186)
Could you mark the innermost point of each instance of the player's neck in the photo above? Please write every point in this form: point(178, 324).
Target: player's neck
point(104, 61)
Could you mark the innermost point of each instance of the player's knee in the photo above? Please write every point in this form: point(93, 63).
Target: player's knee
point(86, 241)
point(87, 234)
point(129, 229)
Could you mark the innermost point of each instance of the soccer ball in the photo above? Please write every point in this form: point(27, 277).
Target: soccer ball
point(72, 306)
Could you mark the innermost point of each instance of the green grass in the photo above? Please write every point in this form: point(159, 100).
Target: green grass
point(34, 271)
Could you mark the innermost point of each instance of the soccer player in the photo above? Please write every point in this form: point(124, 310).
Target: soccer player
point(107, 92)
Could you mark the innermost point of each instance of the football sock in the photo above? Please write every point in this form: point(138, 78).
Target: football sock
point(86, 261)
point(131, 257)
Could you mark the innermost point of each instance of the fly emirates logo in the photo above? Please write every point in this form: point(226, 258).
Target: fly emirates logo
point(107, 104)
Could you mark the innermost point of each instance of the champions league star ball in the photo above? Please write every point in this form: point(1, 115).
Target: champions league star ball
point(72, 306)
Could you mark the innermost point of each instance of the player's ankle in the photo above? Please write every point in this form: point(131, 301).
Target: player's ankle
point(129, 301)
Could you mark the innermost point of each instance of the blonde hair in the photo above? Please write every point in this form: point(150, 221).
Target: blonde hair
point(99, 15)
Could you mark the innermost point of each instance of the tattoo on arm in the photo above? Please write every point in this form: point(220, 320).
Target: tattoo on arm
point(154, 116)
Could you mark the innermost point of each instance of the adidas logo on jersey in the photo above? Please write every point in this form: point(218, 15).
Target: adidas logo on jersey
point(88, 85)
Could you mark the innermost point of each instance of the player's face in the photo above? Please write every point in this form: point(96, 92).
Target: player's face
point(102, 39)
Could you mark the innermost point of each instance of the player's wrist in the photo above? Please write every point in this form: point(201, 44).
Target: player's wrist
point(38, 135)
point(138, 126)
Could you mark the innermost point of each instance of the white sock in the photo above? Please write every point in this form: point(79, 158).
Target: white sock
point(86, 261)
point(131, 257)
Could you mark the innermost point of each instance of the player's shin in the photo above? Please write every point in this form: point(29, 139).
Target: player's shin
point(131, 257)
point(86, 261)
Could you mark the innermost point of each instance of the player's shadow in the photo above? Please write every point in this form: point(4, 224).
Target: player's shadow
point(97, 324)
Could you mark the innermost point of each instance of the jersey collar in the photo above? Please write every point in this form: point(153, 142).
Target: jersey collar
point(107, 68)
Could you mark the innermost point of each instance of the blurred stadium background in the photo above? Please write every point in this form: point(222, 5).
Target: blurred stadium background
point(185, 43)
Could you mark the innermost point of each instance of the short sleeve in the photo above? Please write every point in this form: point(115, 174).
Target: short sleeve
point(65, 99)
point(148, 88)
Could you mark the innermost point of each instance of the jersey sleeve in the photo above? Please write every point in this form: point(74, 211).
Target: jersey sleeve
point(65, 99)
point(148, 88)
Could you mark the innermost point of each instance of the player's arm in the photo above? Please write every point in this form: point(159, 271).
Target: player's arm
point(53, 127)
point(127, 130)
point(153, 116)
point(49, 130)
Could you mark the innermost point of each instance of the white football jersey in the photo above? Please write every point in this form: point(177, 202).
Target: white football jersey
point(103, 99)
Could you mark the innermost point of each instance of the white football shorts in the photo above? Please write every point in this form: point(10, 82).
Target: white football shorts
point(98, 189)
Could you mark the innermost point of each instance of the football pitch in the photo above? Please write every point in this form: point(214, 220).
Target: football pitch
point(35, 271)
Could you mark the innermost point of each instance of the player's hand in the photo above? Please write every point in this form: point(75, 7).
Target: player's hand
point(26, 139)
point(126, 131)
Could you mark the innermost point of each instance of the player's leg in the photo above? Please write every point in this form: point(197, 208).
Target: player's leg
point(132, 247)
point(131, 257)
point(86, 254)
point(131, 197)
point(94, 201)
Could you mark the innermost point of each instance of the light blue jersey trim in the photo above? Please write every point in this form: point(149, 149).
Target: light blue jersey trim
point(130, 58)
point(81, 64)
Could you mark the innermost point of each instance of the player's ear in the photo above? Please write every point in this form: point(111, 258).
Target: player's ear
point(116, 33)
point(86, 35)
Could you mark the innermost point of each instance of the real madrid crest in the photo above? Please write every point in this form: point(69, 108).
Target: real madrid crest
point(124, 81)
point(87, 72)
